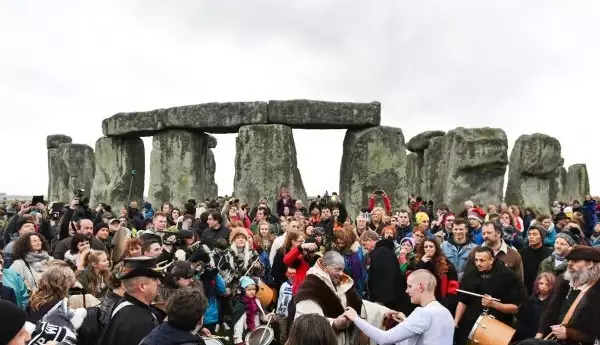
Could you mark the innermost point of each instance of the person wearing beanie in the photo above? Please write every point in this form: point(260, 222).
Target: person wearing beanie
point(476, 217)
point(24, 226)
point(421, 217)
point(14, 328)
point(247, 313)
point(533, 255)
point(185, 311)
point(406, 253)
point(557, 262)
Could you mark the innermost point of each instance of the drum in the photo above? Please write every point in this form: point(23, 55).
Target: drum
point(212, 341)
point(265, 294)
point(489, 331)
point(264, 332)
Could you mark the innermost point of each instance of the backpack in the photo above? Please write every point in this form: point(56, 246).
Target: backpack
point(92, 327)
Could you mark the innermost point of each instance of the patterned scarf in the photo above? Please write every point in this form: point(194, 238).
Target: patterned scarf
point(251, 312)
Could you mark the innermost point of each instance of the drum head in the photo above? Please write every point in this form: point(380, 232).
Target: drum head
point(253, 338)
point(212, 341)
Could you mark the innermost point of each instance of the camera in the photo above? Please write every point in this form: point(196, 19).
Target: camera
point(79, 193)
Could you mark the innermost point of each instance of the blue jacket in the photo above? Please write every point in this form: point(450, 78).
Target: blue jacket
point(477, 235)
point(550, 237)
point(589, 216)
point(14, 280)
point(458, 257)
point(211, 316)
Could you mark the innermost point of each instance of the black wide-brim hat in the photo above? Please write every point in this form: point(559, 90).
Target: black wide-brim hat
point(140, 266)
point(584, 253)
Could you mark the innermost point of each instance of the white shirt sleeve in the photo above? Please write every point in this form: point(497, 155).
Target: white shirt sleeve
point(417, 323)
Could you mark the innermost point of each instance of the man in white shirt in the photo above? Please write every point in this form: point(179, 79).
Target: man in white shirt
point(429, 324)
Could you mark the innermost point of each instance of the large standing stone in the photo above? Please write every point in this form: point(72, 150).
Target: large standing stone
point(70, 167)
point(310, 114)
point(578, 183)
point(414, 165)
point(178, 167)
point(211, 189)
point(559, 187)
point(116, 158)
point(466, 164)
point(53, 141)
point(421, 141)
point(265, 161)
point(207, 117)
point(534, 161)
point(373, 158)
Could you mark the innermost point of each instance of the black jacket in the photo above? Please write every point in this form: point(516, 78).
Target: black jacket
point(7, 294)
point(210, 236)
point(385, 283)
point(532, 258)
point(166, 334)
point(131, 324)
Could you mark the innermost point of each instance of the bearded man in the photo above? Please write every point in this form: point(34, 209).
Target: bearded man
point(573, 311)
point(327, 291)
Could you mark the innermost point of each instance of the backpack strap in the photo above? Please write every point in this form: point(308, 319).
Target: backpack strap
point(119, 307)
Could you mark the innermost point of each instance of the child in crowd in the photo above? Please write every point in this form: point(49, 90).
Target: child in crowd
point(285, 297)
point(319, 236)
point(247, 313)
point(531, 311)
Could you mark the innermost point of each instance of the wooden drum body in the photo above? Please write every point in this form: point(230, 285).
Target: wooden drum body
point(489, 331)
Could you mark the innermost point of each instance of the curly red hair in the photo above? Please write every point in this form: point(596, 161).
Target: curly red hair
point(438, 259)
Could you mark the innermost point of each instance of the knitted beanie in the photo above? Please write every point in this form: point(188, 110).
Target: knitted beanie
point(476, 213)
point(246, 281)
point(569, 237)
point(409, 240)
point(421, 217)
point(541, 229)
point(12, 320)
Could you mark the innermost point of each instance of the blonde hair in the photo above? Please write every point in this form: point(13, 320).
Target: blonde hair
point(53, 286)
point(93, 279)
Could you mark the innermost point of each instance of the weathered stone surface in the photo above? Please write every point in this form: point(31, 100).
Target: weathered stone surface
point(310, 114)
point(207, 117)
point(265, 161)
point(373, 158)
point(534, 161)
point(558, 189)
point(178, 167)
point(211, 190)
point(115, 159)
point(212, 142)
point(421, 141)
point(70, 167)
point(53, 141)
point(578, 182)
point(466, 164)
point(414, 165)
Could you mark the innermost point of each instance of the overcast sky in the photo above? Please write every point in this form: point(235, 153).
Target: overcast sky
point(525, 66)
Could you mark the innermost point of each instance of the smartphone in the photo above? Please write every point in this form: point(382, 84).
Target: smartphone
point(37, 199)
point(378, 192)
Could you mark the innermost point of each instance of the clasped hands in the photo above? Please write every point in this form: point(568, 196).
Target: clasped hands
point(343, 321)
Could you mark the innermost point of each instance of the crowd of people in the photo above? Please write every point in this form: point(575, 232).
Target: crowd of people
point(294, 272)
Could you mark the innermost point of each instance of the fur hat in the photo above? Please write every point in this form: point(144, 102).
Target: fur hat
point(238, 232)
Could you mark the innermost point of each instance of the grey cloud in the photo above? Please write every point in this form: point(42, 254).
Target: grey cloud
point(520, 65)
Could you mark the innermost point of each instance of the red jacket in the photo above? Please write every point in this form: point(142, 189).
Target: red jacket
point(292, 257)
point(386, 202)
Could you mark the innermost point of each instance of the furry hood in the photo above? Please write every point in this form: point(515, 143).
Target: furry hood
point(346, 282)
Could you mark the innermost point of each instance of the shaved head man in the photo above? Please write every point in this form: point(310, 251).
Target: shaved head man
point(429, 324)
